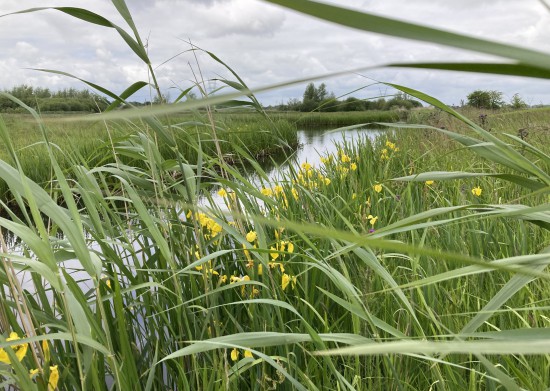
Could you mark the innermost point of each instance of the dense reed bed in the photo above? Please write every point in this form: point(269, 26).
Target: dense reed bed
point(341, 119)
point(416, 261)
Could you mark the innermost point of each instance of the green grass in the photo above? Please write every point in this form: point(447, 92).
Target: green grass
point(163, 289)
point(341, 119)
point(93, 141)
point(356, 275)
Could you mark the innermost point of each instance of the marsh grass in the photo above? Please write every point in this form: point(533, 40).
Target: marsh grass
point(92, 143)
point(340, 119)
point(357, 274)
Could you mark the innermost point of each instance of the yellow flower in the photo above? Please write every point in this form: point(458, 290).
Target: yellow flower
point(345, 158)
point(251, 236)
point(306, 166)
point(54, 378)
point(327, 159)
point(245, 278)
point(353, 166)
point(267, 192)
point(476, 191)
point(274, 264)
point(377, 188)
point(19, 350)
point(213, 272)
point(222, 192)
point(107, 281)
point(260, 269)
point(354, 196)
point(234, 354)
point(429, 183)
point(248, 354)
point(286, 279)
point(372, 219)
point(274, 255)
point(223, 279)
point(294, 193)
point(33, 372)
point(290, 247)
point(327, 181)
point(46, 350)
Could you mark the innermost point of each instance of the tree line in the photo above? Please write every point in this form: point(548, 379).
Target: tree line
point(491, 99)
point(319, 99)
point(46, 100)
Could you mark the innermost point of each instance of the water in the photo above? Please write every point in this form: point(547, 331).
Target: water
point(313, 145)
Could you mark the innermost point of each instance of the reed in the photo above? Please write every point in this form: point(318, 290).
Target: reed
point(415, 261)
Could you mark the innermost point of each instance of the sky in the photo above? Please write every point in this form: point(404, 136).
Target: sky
point(265, 45)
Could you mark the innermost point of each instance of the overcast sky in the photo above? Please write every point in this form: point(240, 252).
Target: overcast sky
point(265, 45)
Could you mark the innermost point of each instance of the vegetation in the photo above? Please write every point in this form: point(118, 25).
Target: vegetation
point(319, 100)
point(44, 100)
point(396, 264)
point(91, 143)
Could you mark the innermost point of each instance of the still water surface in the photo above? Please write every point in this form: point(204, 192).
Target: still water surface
point(313, 145)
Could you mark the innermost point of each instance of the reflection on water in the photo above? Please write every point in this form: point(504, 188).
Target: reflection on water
point(318, 143)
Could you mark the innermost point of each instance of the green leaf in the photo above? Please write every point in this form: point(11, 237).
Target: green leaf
point(452, 175)
point(517, 69)
point(126, 94)
point(395, 28)
point(518, 346)
point(91, 17)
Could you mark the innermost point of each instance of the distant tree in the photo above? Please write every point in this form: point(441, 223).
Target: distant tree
point(309, 101)
point(329, 104)
point(310, 92)
point(293, 105)
point(315, 97)
point(321, 92)
point(353, 104)
point(482, 99)
point(517, 103)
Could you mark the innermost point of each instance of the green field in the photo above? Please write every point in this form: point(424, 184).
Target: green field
point(414, 261)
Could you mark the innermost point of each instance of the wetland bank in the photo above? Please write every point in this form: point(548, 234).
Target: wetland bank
point(416, 259)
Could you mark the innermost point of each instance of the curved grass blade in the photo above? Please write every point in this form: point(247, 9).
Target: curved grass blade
point(517, 69)
point(128, 92)
point(500, 347)
point(452, 175)
point(395, 28)
point(91, 17)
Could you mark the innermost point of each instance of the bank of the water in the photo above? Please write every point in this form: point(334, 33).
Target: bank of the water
point(92, 144)
point(268, 139)
point(315, 120)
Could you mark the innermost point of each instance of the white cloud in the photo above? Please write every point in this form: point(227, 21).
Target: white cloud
point(264, 44)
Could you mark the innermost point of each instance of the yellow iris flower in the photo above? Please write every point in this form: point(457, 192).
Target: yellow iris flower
point(19, 350)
